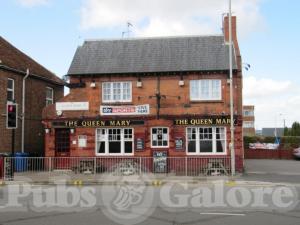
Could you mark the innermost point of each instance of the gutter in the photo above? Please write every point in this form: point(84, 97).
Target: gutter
point(4, 67)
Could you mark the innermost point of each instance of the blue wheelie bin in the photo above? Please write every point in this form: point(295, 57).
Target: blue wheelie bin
point(21, 162)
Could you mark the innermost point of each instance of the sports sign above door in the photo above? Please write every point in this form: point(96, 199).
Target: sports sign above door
point(125, 110)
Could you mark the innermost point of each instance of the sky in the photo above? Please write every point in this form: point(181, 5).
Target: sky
point(268, 32)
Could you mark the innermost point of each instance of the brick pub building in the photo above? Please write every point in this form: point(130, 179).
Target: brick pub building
point(146, 96)
point(42, 88)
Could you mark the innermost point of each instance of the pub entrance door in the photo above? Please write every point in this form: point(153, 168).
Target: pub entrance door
point(62, 148)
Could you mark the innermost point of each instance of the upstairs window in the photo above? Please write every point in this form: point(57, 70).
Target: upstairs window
point(49, 96)
point(248, 112)
point(10, 89)
point(116, 92)
point(205, 90)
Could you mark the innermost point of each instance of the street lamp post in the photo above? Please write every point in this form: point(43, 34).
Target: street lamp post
point(232, 152)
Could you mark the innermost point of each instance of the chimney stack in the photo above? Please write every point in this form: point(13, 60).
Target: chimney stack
point(234, 33)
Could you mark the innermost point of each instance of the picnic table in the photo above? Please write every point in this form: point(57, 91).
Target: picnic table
point(215, 167)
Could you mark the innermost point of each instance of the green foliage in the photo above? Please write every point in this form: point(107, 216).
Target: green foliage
point(294, 131)
point(286, 131)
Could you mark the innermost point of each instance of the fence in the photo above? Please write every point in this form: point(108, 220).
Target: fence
point(46, 168)
point(269, 153)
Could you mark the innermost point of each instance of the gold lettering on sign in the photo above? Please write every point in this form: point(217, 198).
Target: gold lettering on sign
point(119, 123)
point(222, 121)
point(218, 121)
point(71, 123)
point(96, 123)
point(203, 121)
point(200, 122)
point(181, 122)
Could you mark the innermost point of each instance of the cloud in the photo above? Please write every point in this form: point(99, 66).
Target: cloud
point(33, 3)
point(263, 87)
point(169, 17)
point(274, 100)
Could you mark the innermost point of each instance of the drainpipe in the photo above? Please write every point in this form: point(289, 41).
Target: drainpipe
point(23, 110)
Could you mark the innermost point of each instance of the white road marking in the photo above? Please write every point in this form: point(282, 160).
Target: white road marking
point(223, 214)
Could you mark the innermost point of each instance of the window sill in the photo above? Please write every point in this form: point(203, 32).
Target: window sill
point(206, 154)
point(117, 103)
point(159, 147)
point(205, 101)
point(115, 154)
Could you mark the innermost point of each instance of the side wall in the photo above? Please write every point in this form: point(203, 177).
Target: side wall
point(35, 102)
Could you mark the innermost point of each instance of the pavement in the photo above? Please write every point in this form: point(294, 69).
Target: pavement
point(265, 175)
point(278, 167)
point(155, 210)
point(261, 171)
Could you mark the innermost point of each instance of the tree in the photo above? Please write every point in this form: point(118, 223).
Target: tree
point(286, 131)
point(295, 130)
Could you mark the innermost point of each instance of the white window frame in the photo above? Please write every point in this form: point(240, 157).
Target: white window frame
point(214, 140)
point(112, 100)
point(162, 134)
point(10, 89)
point(200, 85)
point(47, 98)
point(106, 153)
point(250, 124)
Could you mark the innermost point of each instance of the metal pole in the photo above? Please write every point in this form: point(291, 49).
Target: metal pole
point(23, 110)
point(12, 153)
point(231, 96)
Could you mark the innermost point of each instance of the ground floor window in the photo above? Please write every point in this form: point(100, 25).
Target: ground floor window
point(206, 140)
point(159, 137)
point(114, 141)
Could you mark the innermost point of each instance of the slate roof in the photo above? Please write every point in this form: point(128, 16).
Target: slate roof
point(144, 55)
point(13, 58)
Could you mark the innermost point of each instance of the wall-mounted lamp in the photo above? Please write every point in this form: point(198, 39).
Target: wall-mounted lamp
point(72, 130)
point(93, 84)
point(47, 130)
point(181, 82)
point(139, 83)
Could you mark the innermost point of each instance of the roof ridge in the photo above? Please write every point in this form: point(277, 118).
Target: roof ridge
point(151, 38)
point(10, 47)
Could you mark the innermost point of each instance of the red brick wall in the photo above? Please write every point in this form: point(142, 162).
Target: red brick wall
point(171, 108)
point(268, 154)
point(35, 102)
point(169, 86)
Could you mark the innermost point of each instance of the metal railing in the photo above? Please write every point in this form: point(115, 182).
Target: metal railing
point(45, 168)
